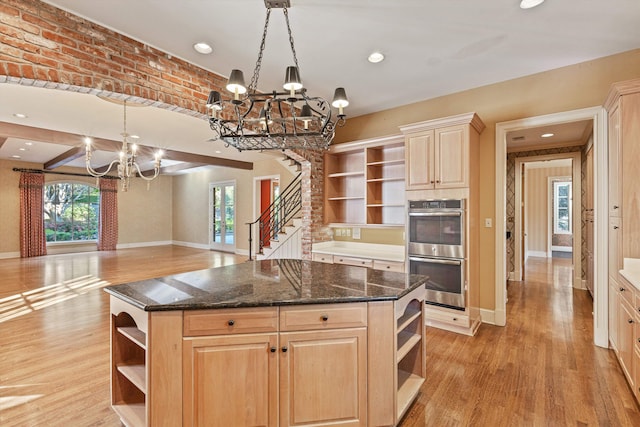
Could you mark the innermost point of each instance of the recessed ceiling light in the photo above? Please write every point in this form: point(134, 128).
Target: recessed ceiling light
point(20, 115)
point(15, 156)
point(28, 143)
point(203, 48)
point(22, 149)
point(375, 57)
point(547, 135)
point(528, 4)
point(218, 151)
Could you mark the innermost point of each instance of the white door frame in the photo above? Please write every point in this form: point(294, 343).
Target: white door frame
point(223, 246)
point(600, 297)
point(576, 176)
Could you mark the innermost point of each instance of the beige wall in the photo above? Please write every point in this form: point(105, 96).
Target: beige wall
point(537, 199)
point(564, 89)
point(143, 216)
point(191, 200)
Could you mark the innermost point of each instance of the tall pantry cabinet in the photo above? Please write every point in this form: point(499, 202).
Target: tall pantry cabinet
point(623, 107)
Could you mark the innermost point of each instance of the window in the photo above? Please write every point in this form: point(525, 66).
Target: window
point(562, 207)
point(71, 212)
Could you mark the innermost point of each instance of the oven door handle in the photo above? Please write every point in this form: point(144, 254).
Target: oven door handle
point(436, 260)
point(448, 213)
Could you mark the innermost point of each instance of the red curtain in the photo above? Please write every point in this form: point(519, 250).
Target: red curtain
point(108, 234)
point(32, 238)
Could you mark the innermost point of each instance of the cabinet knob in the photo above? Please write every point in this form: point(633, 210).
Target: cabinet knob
point(231, 322)
point(284, 349)
point(616, 207)
point(437, 181)
point(272, 349)
point(630, 321)
point(430, 182)
point(388, 267)
point(621, 289)
point(325, 317)
point(615, 227)
point(455, 319)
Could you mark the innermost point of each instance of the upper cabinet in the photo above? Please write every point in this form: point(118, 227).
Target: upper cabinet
point(623, 106)
point(437, 151)
point(364, 182)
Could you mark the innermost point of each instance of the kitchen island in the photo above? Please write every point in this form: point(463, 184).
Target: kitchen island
point(272, 342)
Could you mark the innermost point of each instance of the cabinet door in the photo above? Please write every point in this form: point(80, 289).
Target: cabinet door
point(614, 307)
point(615, 171)
point(419, 161)
point(452, 157)
point(230, 381)
point(625, 340)
point(323, 378)
point(615, 246)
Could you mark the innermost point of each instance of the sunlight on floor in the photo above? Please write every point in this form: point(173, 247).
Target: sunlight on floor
point(36, 299)
point(13, 400)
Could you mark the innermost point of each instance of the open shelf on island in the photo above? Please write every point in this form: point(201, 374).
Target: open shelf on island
point(408, 387)
point(136, 374)
point(134, 334)
point(132, 415)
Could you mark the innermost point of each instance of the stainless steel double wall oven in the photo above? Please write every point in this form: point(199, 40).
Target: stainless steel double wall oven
point(437, 248)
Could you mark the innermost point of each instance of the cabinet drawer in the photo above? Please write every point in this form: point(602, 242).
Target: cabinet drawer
point(626, 291)
point(360, 262)
point(323, 316)
point(388, 266)
point(323, 258)
point(454, 319)
point(230, 321)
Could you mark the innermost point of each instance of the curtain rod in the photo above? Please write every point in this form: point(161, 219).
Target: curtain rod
point(61, 173)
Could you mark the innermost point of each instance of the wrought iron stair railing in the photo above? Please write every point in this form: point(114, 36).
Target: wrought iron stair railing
point(280, 212)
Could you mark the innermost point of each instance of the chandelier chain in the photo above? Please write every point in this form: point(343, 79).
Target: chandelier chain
point(253, 86)
point(293, 49)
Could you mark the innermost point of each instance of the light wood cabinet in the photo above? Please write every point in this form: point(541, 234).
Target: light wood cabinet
point(588, 219)
point(243, 378)
point(376, 264)
point(143, 355)
point(438, 151)
point(364, 182)
point(350, 364)
point(338, 358)
point(615, 171)
point(614, 308)
point(626, 332)
point(231, 380)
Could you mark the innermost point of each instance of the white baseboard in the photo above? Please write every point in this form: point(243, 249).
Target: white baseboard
point(7, 255)
point(562, 248)
point(142, 244)
point(488, 316)
point(539, 254)
point(242, 252)
point(190, 245)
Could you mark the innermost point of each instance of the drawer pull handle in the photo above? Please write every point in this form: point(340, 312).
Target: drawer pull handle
point(325, 317)
point(273, 349)
point(231, 322)
point(284, 349)
point(455, 319)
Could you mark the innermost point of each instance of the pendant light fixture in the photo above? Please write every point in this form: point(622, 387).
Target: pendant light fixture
point(289, 119)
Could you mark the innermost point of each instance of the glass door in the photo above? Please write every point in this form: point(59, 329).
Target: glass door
point(222, 216)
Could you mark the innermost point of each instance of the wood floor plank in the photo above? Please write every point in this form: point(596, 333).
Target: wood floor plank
point(542, 369)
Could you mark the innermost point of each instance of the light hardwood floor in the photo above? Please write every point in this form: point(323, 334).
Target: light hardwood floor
point(541, 369)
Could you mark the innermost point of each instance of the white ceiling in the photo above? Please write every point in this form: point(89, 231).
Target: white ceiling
point(432, 48)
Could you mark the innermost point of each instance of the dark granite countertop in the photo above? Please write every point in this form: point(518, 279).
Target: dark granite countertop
point(266, 283)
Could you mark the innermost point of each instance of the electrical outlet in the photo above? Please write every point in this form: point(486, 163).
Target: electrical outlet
point(356, 233)
point(487, 223)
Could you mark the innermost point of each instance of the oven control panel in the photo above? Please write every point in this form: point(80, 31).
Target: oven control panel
point(436, 204)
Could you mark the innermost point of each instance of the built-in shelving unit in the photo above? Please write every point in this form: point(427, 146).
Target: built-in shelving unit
point(365, 183)
point(409, 355)
point(129, 371)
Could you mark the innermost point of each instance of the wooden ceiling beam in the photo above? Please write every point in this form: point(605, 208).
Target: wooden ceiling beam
point(12, 130)
point(64, 158)
point(180, 167)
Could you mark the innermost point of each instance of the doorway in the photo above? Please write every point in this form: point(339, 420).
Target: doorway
point(222, 216)
point(535, 221)
point(600, 300)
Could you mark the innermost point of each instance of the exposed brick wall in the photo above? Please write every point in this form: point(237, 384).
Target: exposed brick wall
point(48, 47)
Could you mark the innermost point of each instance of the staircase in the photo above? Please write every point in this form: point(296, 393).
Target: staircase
point(278, 228)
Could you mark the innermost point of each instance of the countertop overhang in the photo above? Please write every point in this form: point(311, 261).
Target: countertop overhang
point(631, 271)
point(266, 283)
